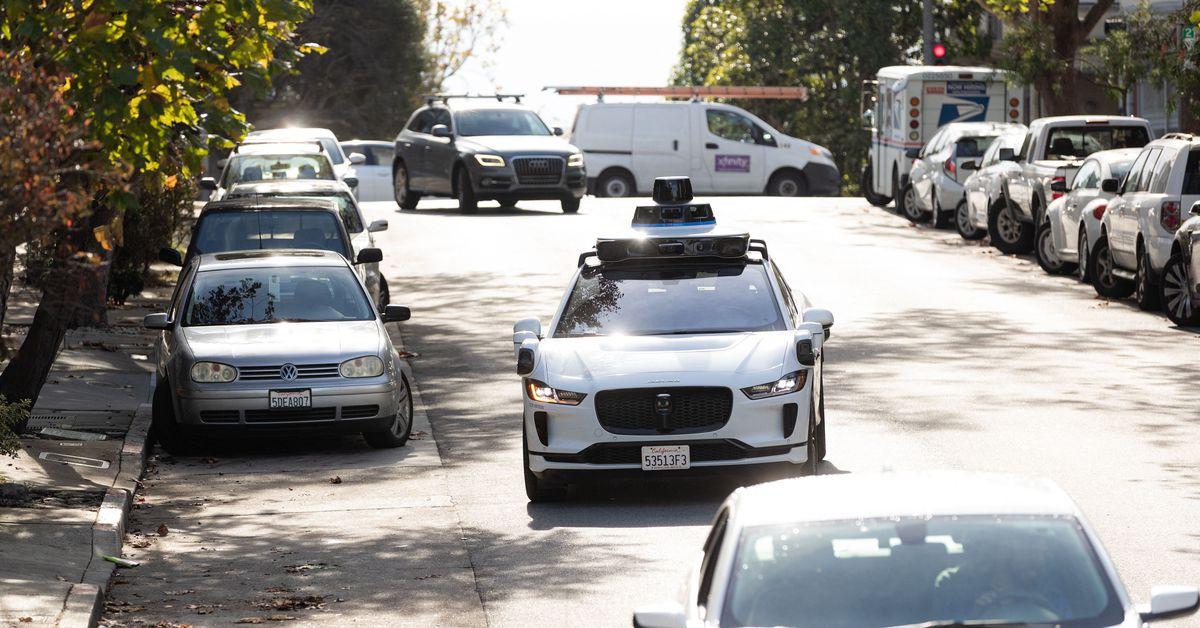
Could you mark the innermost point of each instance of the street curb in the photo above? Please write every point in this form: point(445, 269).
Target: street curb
point(85, 601)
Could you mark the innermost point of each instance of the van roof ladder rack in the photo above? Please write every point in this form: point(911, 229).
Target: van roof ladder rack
point(695, 92)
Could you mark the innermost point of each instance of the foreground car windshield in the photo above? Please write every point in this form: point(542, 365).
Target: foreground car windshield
point(1036, 570)
point(500, 122)
point(675, 300)
point(244, 168)
point(248, 296)
point(276, 229)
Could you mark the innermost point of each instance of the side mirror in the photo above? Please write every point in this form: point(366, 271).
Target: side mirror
point(156, 321)
point(558, 130)
point(1109, 186)
point(664, 615)
point(1170, 601)
point(1058, 185)
point(350, 181)
point(369, 256)
point(1195, 210)
point(912, 153)
point(395, 313)
point(441, 130)
point(1007, 154)
point(526, 329)
point(818, 315)
point(357, 159)
point(208, 183)
point(969, 165)
point(221, 163)
point(377, 226)
point(170, 256)
point(525, 361)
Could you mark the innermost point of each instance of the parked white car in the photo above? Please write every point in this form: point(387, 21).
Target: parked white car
point(1138, 228)
point(983, 187)
point(906, 550)
point(1072, 223)
point(275, 161)
point(374, 174)
point(329, 142)
point(722, 148)
point(935, 182)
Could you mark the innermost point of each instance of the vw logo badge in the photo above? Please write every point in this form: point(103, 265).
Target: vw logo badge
point(288, 372)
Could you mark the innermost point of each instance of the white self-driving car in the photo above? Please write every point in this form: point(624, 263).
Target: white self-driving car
point(681, 347)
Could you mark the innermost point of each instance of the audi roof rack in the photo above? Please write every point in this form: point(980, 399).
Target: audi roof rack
point(432, 98)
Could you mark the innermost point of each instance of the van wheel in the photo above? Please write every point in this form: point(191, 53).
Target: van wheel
point(787, 184)
point(868, 192)
point(405, 198)
point(1104, 281)
point(615, 185)
point(1008, 234)
point(467, 202)
point(962, 222)
point(1177, 293)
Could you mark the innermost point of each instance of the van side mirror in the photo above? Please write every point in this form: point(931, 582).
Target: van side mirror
point(208, 183)
point(440, 130)
point(395, 313)
point(156, 321)
point(1006, 154)
point(170, 256)
point(1170, 601)
point(1109, 186)
point(969, 165)
point(369, 256)
point(525, 361)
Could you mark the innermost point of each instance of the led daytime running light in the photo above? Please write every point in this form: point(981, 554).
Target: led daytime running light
point(490, 161)
point(575, 160)
point(544, 393)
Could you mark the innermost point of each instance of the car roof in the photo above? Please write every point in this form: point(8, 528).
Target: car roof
point(279, 148)
point(257, 203)
point(1132, 120)
point(296, 187)
point(1176, 140)
point(1116, 154)
point(293, 133)
point(384, 143)
point(965, 128)
point(260, 258)
point(854, 496)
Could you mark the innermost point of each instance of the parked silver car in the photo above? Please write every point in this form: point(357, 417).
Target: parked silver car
point(277, 339)
point(937, 177)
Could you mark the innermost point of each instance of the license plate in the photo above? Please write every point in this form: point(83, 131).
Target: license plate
point(666, 457)
point(285, 399)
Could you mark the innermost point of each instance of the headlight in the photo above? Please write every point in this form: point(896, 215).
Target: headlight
point(540, 392)
point(789, 383)
point(491, 161)
point(366, 366)
point(575, 160)
point(213, 373)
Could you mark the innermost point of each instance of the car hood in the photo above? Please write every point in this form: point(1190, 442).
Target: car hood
point(664, 357)
point(516, 144)
point(284, 342)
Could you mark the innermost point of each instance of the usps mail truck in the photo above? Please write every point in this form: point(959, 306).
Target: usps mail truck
point(906, 104)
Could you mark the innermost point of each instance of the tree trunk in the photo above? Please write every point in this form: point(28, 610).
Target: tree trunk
point(8, 260)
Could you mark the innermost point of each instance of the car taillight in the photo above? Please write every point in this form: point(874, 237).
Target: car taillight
point(1057, 195)
point(949, 166)
point(1098, 212)
point(1169, 216)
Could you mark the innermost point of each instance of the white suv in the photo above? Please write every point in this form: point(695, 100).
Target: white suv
point(1139, 226)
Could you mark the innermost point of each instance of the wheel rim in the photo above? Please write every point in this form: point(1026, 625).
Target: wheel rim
point(1082, 254)
point(1046, 246)
point(401, 185)
point(964, 220)
point(811, 449)
point(910, 204)
point(1141, 284)
point(1104, 268)
point(787, 187)
point(1176, 293)
point(616, 187)
point(403, 412)
point(1009, 227)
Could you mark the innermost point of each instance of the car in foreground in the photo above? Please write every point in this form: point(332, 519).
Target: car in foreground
point(374, 174)
point(683, 348)
point(983, 189)
point(362, 235)
point(913, 550)
point(341, 161)
point(484, 148)
point(1072, 223)
point(1181, 276)
point(251, 163)
point(935, 181)
point(274, 340)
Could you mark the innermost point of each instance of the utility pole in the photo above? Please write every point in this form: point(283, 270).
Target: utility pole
point(927, 31)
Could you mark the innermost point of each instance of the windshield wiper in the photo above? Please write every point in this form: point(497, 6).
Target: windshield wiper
point(973, 623)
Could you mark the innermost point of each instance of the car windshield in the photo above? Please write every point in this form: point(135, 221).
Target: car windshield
point(244, 168)
point(248, 296)
point(1038, 570)
point(676, 299)
point(1077, 142)
point(499, 122)
point(219, 232)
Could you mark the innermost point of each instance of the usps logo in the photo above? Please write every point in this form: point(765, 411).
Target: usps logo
point(732, 163)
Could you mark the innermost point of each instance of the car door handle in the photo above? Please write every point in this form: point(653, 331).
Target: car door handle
point(711, 145)
point(675, 144)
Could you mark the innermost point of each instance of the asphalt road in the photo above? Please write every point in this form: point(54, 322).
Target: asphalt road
point(945, 355)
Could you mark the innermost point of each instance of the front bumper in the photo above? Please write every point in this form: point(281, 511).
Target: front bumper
point(504, 183)
point(822, 179)
point(348, 407)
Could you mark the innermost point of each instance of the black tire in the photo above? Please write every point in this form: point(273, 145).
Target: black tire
point(1177, 295)
point(1007, 232)
point(165, 430)
point(896, 191)
point(385, 295)
point(908, 205)
point(507, 203)
point(787, 183)
point(536, 489)
point(1145, 287)
point(941, 219)
point(1083, 269)
point(615, 184)
point(962, 222)
point(868, 192)
point(468, 203)
point(401, 428)
point(570, 205)
point(405, 197)
point(812, 464)
point(1046, 256)
point(820, 433)
point(1106, 284)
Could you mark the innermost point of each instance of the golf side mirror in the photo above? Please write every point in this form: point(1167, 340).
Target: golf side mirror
point(369, 256)
point(377, 225)
point(440, 130)
point(395, 313)
point(1170, 601)
point(208, 183)
point(170, 256)
point(1007, 154)
point(357, 159)
point(664, 615)
point(1109, 186)
point(156, 321)
point(350, 181)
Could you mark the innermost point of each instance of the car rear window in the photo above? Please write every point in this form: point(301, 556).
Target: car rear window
point(1077, 142)
point(1191, 173)
point(220, 232)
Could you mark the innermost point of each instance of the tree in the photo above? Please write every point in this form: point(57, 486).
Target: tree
point(457, 31)
point(366, 82)
point(1118, 61)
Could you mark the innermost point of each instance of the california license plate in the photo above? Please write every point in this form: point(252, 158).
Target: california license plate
point(666, 457)
point(285, 399)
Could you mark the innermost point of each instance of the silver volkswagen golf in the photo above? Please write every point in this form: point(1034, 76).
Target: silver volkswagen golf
point(277, 339)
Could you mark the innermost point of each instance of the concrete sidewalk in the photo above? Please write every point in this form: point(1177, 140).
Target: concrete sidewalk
point(65, 497)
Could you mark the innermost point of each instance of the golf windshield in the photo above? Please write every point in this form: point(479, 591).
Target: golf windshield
point(499, 122)
point(247, 296)
point(897, 572)
point(219, 232)
point(675, 299)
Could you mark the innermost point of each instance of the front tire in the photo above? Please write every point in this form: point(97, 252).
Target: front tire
point(1084, 268)
point(1177, 295)
point(908, 205)
point(962, 222)
point(1104, 281)
point(467, 201)
point(812, 462)
point(615, 185)
point(405, 198)
point(941, 219)
point(1007, 232)
point(570, 205)
point(538, 490)
point(1047, 256)
point(787, 184)
point(1145, 291)
point(397, 434)
point(174, 438)
point(821, 443)
point(868, 191)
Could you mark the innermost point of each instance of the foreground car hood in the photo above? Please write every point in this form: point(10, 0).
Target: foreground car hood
point(609, 357)
point(516, 144)
point(284, 342)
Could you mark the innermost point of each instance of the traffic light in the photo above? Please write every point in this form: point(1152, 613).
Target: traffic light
point(939, 51)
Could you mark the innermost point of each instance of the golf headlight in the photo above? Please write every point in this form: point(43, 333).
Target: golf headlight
point(491, 161)
point(789, 383)
point(542, 393)
point(366, 366)
point(213, 373)
point(575, 160)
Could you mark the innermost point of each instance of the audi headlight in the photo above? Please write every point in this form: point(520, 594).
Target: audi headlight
point(543, 393)
point(575, 160)
point(213, 373)
point(789, 383)
point(491, 161)
point(366, 366)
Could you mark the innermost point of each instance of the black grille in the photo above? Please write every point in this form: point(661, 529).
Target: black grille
point(304, 371)
point(219, 416)
point(298, 414)
point(359, 412)
point(538, 170)
point(692, 410)
point(631, 453)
